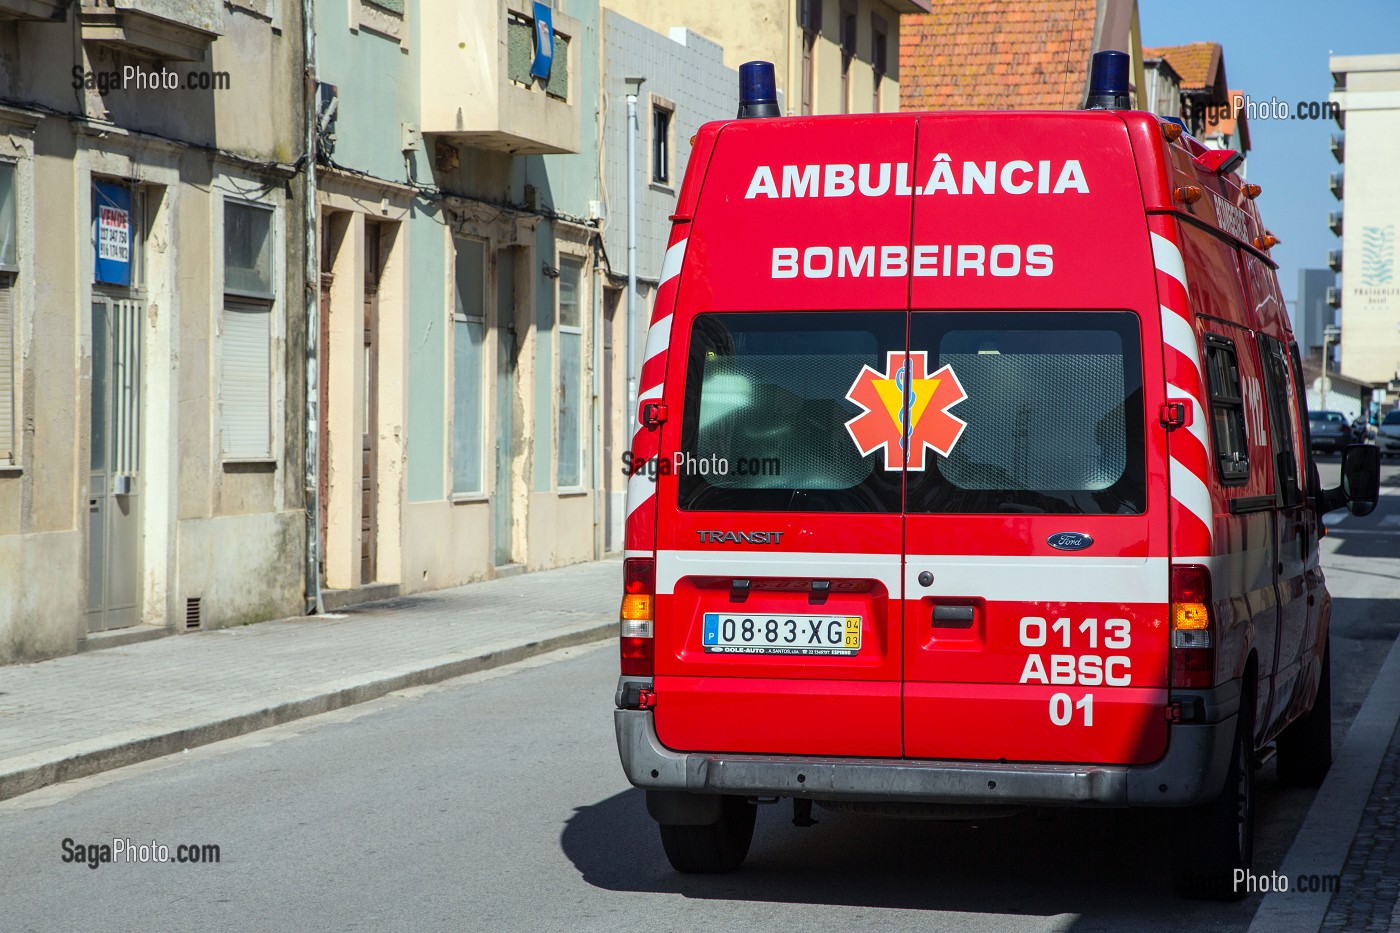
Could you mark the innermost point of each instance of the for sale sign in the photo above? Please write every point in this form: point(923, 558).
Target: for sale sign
point(112, 233)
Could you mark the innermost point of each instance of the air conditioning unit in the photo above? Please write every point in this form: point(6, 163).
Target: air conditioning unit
point(1334, 220)
point(1334, 260)
point(1334, 296)
point(1334, 182)
point(1338, 147)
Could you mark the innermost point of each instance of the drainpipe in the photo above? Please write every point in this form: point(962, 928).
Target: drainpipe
point(311, 266)
point(634, 87)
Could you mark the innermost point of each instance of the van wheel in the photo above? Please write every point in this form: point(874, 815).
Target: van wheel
point(1216, 839)
point(717, 847)
point(1305, 747)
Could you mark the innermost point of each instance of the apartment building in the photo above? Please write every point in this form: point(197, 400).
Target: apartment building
point(1366, 89)
point(151, 345)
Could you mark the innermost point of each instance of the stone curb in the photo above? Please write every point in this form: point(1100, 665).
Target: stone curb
point(22, 775)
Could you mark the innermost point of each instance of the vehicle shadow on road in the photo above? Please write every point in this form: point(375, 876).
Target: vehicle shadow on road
point(1110, 866)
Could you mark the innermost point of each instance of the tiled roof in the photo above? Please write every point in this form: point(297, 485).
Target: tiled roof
point(1197, 63)
point(994, 54)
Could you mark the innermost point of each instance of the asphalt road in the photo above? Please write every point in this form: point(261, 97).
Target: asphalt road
point(495, 802)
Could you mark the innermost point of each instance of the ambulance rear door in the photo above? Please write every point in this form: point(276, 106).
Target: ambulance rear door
point(779, 624)
point(1036, 577)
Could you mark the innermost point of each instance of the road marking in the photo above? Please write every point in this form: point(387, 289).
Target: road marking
point(1332, 519)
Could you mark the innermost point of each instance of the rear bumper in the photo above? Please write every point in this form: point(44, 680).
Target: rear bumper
point(1192, 771)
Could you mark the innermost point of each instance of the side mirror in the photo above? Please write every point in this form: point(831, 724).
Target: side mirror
point(1361, 481)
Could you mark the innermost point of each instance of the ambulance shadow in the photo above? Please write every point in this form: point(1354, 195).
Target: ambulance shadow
point(1358, 540)
point(1107, 866)
point(1367, 619)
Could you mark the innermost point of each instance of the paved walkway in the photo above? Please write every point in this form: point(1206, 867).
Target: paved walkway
point(89, 712)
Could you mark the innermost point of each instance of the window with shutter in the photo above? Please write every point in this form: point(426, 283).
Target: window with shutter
point(245, 381)
point(7, 369)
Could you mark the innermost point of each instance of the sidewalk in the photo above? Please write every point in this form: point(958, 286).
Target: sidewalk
point(1350, 829)
point(103, 709)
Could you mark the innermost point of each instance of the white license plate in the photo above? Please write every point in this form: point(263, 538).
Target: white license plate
point(725, 633)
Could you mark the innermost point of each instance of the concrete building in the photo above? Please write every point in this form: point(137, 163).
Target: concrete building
point(830, 56)
point(1205, 93)
point(1312, 314)
point(460, 294)
point(1367, 92)
point(687, 84)
point(1163, 86)
point(151, 342)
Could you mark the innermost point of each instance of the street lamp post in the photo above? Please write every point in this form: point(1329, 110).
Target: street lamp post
point(634, 87)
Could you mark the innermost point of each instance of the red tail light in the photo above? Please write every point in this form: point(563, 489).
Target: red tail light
point(638, 616)
point(1193, 628)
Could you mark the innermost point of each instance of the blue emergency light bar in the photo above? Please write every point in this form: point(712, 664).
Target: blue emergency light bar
point(1108, 82)
point(758, 91)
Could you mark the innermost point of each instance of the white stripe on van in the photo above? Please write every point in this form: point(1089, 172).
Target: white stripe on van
point(1167, 258)
point(1068, 579)
point(671, 265)
point(1198, 417)
point(654, 392)
point(1003, 579)
point(641, 487)
point(1191, 492)
point(1177, 334)
point(658, 338)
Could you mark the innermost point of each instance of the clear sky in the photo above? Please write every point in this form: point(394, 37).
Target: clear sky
point(1279, 50)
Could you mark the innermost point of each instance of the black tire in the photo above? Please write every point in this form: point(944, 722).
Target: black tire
point(1214, 840)
point(1305, 747)
point(717, 847)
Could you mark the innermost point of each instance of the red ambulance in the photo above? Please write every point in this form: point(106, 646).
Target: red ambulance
point(971, 468)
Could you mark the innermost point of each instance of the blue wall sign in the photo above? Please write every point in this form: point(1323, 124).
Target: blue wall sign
point(111, 233)
point(544, 41)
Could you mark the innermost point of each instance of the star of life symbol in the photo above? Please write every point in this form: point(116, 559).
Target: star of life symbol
point(906, 388)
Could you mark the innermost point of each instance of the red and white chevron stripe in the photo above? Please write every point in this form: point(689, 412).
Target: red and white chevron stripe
point(1192, 511)
point(641, 489)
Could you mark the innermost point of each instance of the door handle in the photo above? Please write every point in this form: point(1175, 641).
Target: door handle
point(952, 616)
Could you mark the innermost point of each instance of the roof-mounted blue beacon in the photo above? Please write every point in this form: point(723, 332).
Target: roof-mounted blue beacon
point(1108, 82)
point(758, 91)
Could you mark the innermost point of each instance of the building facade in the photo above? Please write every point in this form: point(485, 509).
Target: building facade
point(687, 84)
point(459, 290)
point(1367, 92)
point(829, 56)
point(151, 346)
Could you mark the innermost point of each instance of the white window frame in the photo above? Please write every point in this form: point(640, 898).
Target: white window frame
point(239, 302)
point(579, 331)
point(668, 107)
point(9, 336)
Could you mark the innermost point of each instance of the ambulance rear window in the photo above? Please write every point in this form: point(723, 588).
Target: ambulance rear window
point(765, 415)
point(1054, 413)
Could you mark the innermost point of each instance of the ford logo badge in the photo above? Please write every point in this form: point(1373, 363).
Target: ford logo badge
point(1069, 541)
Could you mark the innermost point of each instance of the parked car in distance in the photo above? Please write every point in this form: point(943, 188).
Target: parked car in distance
point(1388, 434)
point(1330, 431)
